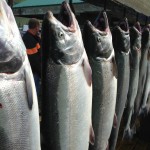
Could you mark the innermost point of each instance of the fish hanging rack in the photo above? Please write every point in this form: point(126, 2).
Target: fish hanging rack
point(105, 5)
point(138, 16)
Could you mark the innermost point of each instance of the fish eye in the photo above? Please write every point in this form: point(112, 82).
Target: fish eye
point(60, 34)
point(98, 39)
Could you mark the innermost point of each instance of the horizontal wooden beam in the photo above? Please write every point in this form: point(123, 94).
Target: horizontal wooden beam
point(79, 8)
point(141, 6)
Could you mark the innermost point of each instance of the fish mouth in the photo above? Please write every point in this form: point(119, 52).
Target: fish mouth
point(64, 34)
point(136, 37)
point(124, 26)
point(123, 36)
point(101, 23)
point(138, 27)
point(66, 16)
point(103, 47)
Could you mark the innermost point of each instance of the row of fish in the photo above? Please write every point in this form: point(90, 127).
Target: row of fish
point(87, 81)
point(116, 63)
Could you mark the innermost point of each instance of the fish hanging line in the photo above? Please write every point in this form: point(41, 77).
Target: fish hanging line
point(137, 17)
point(146, 20)
point(124, 12)
point(105, 4)
point(71, 6)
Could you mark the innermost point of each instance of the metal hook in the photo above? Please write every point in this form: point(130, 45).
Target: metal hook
point(124, 12)
point(146, 20)
point(137, 17)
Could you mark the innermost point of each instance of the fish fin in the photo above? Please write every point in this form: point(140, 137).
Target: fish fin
point(28, 87)
point(87, 71)
point(92, 136)
point(115, 121)
point(147, 108)
point(115, 70)
point(107, 148)
point(128, 134)
point(144, 111)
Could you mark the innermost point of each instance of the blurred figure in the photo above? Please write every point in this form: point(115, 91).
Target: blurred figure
point(32, 42)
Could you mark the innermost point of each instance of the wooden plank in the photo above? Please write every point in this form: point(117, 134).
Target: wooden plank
point(141, 6)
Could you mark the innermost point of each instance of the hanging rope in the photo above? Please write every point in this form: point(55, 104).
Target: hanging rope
point(137, 17)
point(71, 6)
point(124, 12)
point(105, 4)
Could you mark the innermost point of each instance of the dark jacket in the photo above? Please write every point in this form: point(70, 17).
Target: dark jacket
point(33, 46)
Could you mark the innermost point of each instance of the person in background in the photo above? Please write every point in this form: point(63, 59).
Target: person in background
point(32, 42)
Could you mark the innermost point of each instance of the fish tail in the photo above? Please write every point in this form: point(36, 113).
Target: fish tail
point(144, 111)
point(128, 134)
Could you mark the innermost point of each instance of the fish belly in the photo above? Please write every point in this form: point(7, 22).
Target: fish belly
point(68, 100)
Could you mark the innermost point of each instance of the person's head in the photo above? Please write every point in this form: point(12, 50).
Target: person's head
point(34, 25)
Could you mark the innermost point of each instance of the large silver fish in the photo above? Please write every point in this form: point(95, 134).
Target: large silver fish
point(143, 71)
point(121, 43)
point(98, 44)
point(145, 106)
point(66, 84)
point(135, 56)
point(19, 119)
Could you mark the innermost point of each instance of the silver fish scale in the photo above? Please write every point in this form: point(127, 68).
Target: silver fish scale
point(71, 111)
point(14, 116)
point(104, 100)
point(146, 91)
point(78, 113)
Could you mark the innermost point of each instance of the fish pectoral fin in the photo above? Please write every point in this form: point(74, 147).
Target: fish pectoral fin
point(107, 148)
point(87, 71)
point(92, 136)
point(29, 89)
point(115, 121)
point(115, 69)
